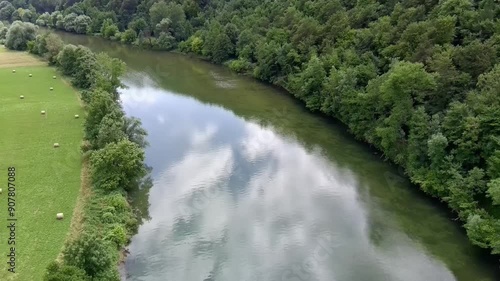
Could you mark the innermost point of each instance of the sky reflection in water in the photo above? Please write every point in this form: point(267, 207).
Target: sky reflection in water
point(233, 200)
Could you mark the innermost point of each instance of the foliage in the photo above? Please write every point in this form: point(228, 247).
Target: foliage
point(59, 272)
point(89, 253)
point(19, 34)
point(107, 74)
point(3, 30)
point(117, 165)
point(47, 45)
point(109, 29)
point(101, 103)
point(239, 66)
point(129, 36)
point(6, 11)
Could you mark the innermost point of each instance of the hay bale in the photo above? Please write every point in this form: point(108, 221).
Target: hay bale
point(21, 97)
point(1, 191)
point(42, 112)
point(51, 88)
point(14, 71)
point(31, 75)
point(53, 77)
point(56, 144)
point(59, 216)
point(77, 116)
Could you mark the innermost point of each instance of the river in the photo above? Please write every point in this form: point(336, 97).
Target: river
point(248, 185)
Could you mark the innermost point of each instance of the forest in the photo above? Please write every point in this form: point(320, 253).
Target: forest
point(417, 79)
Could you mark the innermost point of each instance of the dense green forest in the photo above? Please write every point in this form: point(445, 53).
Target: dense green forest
point(417, 79)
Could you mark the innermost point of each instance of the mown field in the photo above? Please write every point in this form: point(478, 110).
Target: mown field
point(47, 179)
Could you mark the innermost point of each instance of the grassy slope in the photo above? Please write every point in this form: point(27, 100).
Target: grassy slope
point(48, 179)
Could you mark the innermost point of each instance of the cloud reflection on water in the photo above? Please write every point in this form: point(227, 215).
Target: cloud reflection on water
point(254, 206)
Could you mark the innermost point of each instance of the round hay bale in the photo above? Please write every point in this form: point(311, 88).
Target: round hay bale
point(14, 71)
point(31, 75)
point(1, 191)
point(56, 144)
point(42, 112)
point(21, 97)
point(77, 116)
point(59, 216)
point(53, 77)
point(51, 88)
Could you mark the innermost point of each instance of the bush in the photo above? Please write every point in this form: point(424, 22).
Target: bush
point(117, 235)
point(239, 65)
point(129, 36)
point(89, 253)
point(59, 272)
point(117, 201)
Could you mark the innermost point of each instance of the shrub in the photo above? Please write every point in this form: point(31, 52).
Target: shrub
point(117, 236)
point(89, 253)
point(117, 201)
point(129, 36)
point(239, 65)
point(59, 272)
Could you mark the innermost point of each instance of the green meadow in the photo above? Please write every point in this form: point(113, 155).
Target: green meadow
point(47, 179)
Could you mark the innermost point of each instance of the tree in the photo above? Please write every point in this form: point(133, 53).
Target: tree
point(163, 26)
point(157, 12)
point(6, 10)
point(101, 103)
point(217, 44)
point(129, 36)
point(494, 191)
point(308, 84)
point(19, 34)
point(43, 19)
point(107, 74)
point(85, 74)
point(117, 166)
point(132, 127)
point(110, 129)
point(175, 14)
point(403, 87)
point(138, 24)
point(70, 22)
point(82, 24)
point(3, 31)
point(165, 41)
point(89, 253)
point(66, 59)
point(54, 45)
point(109, 29)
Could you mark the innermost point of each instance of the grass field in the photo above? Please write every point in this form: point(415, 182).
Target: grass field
point(47, 179)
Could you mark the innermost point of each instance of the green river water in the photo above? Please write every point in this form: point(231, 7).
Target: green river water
point(248, 185)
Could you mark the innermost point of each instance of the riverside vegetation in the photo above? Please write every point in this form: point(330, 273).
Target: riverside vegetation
point(113, 152)
point(418, 80)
